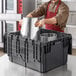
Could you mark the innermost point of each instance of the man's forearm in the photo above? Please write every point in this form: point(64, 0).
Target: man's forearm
point(29, 15)
point(50, 21)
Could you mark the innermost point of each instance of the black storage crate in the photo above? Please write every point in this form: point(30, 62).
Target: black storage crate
point(39, 55)
point(46, 56)
point(16, 48)
point(5, 43)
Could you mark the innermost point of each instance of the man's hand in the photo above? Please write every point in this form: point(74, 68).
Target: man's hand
point(21, 21)
point(29, 15)
point(40, 23)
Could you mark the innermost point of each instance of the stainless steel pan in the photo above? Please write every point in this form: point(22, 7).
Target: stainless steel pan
point(28, 27)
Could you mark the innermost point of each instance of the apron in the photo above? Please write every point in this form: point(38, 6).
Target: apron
point(50, 15)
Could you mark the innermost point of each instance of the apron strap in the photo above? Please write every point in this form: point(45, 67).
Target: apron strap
point(58, 6)
point(48, 5)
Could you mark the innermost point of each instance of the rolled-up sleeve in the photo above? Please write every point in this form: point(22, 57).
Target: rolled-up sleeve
point(40, 11)
point(62, 15)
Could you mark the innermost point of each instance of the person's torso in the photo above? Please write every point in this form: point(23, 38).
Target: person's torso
point(52, 7)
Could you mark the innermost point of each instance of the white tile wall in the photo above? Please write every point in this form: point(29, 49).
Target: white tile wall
point(1, 44)
point(0, 6)
point(71, 5)
point(0, 32)
point(72, 18)
point(71, 29)
point(14, 17)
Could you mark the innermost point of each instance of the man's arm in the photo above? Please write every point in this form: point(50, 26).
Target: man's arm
point(62, 15)
point(46, 21)
point(40, 11)
point(50, 21)
point(60, 19)
point(29, 15)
